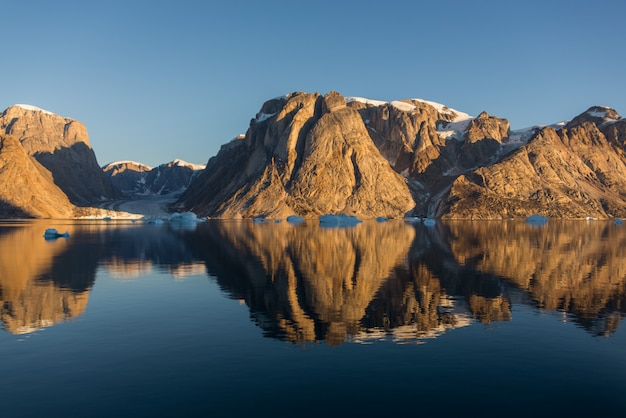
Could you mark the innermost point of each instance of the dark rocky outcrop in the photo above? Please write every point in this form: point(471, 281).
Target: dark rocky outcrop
point(136, 179)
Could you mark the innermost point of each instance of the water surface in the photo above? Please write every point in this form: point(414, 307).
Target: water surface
point(272, 319)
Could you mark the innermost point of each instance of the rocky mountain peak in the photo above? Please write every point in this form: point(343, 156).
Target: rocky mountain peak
point(489, 127)
point(596, 115)
point(312, 156)
point(62, 146)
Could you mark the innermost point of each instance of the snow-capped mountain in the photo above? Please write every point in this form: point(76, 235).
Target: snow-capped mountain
point(305, 154)
point(137, 179)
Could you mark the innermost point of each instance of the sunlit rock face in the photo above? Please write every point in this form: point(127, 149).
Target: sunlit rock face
point(27, 188)
point(62, 146)
point(575, 172)
point(304, 154)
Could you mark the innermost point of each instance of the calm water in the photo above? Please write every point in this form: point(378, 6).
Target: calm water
point(236, 318)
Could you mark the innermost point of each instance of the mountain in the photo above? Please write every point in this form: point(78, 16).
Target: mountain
point(28, 189)
point(135, 179)
point(576, 171)
point(310, 154)
point(61, 145)
point(304, 154)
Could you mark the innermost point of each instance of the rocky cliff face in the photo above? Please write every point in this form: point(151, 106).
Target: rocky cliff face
point(304, 154)
point(62, 146)
point(136, 179)
point(575, 172)
point(28, 189)
point(308, 154)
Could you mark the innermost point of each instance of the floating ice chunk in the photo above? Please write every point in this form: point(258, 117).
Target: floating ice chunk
point(52, 233)
point(429, 222)
point(258, 220)
point(618, 221)
point(294, 219)
point(184, 217)
point(536, 220)
point(339, 221)
point(154, 221)
point(382, 219)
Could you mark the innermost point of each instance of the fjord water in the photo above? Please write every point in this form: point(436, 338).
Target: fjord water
point(272, 319)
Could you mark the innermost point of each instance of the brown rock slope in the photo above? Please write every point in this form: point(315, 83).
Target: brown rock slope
point(575, 172)
point(304, 154)
point(431, 144)
point(62, 146)
point(28, 189)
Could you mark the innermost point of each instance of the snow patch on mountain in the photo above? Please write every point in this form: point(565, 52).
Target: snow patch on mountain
point(443, 109)
point(182, 163)
point(459, 121)
point(34, 108)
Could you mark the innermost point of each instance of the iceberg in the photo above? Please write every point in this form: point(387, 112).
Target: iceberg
point(536, 220)
point(381, 219)
point(294, 219)
point(185, 217)
point(338, 221)
point(52, 233)
point(258, 220)
point(429, 222)
point(618, 221)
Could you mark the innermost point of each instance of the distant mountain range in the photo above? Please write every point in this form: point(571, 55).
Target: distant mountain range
point(309, 154)
point(137, 179)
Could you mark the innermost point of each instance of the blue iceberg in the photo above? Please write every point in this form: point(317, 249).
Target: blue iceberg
point(52, 233)
point(294, 219)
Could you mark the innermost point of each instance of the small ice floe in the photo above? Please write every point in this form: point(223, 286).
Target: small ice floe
point(339, 221)
point(590, 218)
point(536, 220)
point(185, 217)
point(429, 222)
point(381, 219)
point(618, 221)
point(52, 233)
point(295, 219)
point(258, 220)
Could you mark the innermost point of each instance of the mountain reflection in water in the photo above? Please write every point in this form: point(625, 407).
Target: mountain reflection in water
point(392, 280)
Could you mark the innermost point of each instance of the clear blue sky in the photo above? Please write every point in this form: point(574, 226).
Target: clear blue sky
point(156, 80)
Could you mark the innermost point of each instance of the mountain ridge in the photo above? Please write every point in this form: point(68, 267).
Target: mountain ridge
point(308, 154)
